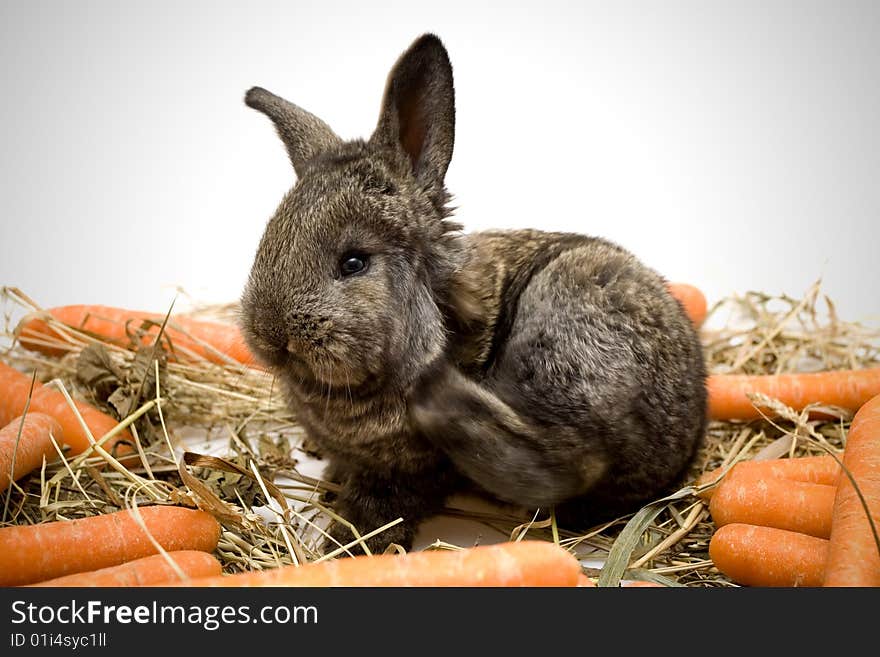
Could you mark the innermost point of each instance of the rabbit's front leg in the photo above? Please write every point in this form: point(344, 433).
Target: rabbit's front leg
point(502, 450)
point(369, 499)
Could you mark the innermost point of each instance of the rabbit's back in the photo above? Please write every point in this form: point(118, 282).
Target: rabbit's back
point(587, 341)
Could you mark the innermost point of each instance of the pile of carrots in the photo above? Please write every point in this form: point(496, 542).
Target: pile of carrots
point(133, 547)
point(792, 522)
point(75, 425)
point(123, 549)
point(187, 338)
point(800, 521)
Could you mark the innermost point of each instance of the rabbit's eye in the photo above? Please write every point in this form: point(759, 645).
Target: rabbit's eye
point(353, 263)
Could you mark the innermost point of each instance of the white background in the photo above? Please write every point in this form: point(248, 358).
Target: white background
point(733, 145)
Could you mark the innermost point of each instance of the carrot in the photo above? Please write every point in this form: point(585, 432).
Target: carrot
point(853, 553)
point(811, 469)
point(845, 388)
point(584, 581)
point(14, 389)
point(693, 300)
point(34, 553)
point(797, 506)
point(154, 569)
point(643, 584)
point(766, 556)
point(524, 563)
point(21, 454)
point(216, 342)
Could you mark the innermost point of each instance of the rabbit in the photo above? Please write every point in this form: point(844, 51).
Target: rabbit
point(542, 369)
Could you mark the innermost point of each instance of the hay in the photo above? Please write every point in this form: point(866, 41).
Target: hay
point(221, 438)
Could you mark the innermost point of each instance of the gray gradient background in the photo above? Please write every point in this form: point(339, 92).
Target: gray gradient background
point(731, 145)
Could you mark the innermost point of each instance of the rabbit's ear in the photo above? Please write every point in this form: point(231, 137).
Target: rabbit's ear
point(418, 110)
point(304, 134)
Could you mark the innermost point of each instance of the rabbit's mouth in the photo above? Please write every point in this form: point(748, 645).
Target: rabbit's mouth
point(325, 369)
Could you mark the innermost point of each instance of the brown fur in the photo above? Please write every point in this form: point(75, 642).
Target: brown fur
point(545, 369)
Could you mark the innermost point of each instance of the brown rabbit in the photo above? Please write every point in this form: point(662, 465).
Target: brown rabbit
point(546, 369)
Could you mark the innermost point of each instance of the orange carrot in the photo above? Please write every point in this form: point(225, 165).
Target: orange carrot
point(526, 563)
point(34, 553)
point(642, 584)
point(585, 582)
point(154, 569)
point(693, 300)
point(21, 454)
point(766, 556)
point(853, 553)
point(811, 469)
point(797, 506)
point(216, 342)
point(14, 389)
point(845, 388)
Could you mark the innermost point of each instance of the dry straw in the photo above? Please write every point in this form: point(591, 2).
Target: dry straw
point(221, 438)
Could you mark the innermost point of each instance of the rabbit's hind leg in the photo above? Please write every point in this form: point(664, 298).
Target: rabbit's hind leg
point(501, 450)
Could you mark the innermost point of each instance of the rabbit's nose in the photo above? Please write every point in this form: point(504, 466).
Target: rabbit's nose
point(305, 330)
point(299, 317)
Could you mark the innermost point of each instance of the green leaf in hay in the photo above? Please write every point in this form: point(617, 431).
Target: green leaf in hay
point(621, 551)
point(640, 574)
